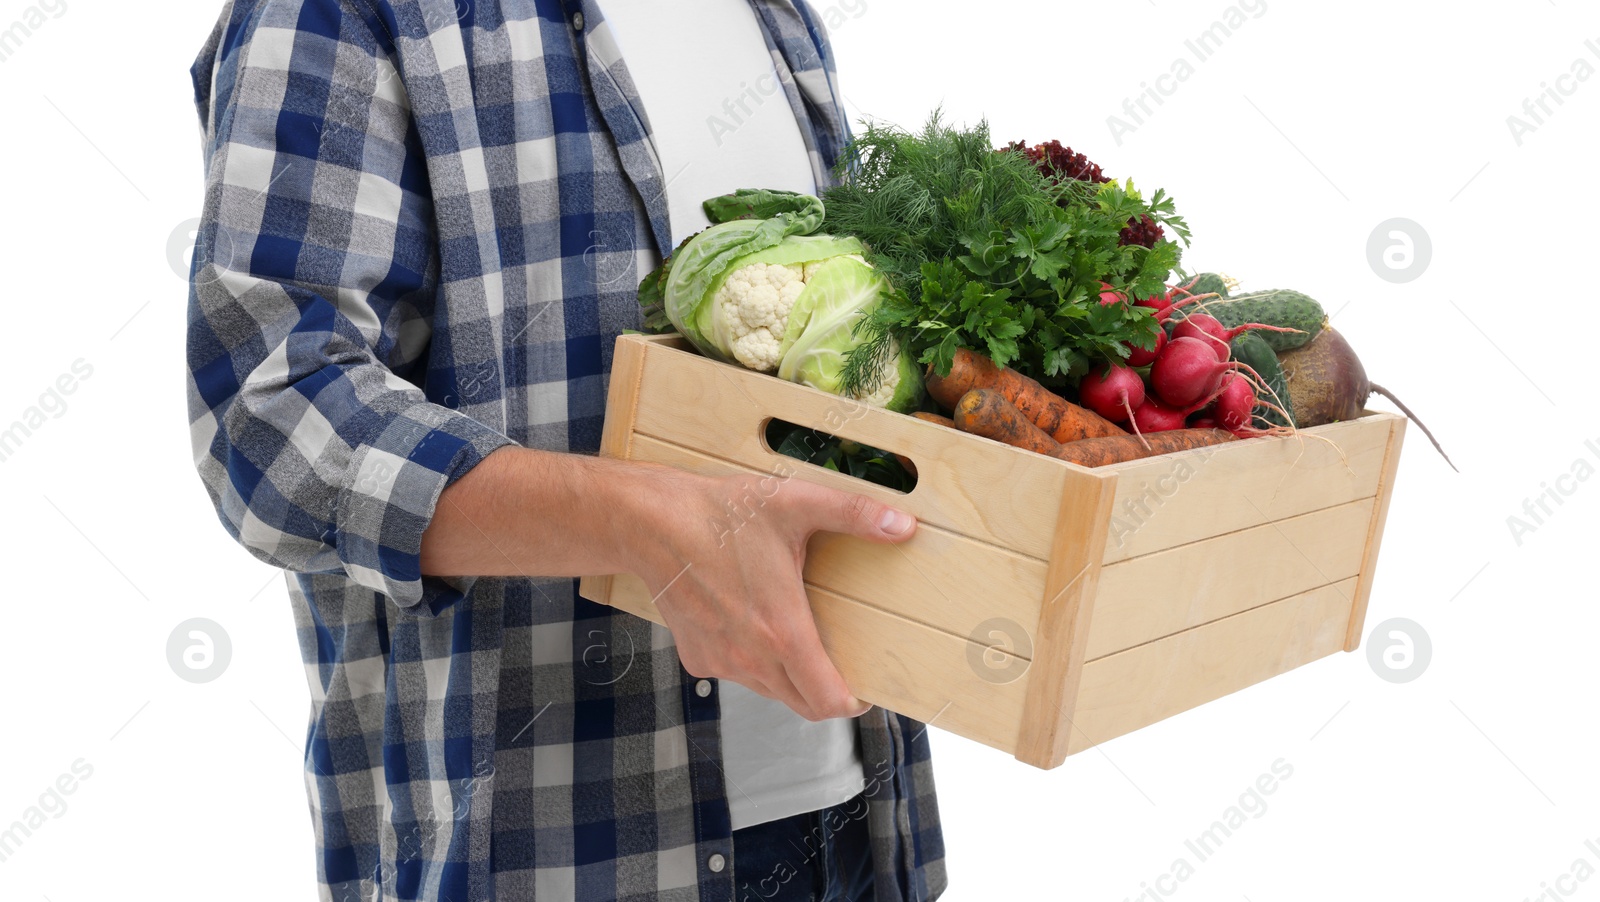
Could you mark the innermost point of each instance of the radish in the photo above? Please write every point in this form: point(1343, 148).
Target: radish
point(1206, 329)
point(1236, 403)
point(1138, 356)
point(1164, 305)
point(1204, 422)
point(1209, 329)
point(1109, 295)
point(1153, 416)
point(1112, 391)
point(1186, 371)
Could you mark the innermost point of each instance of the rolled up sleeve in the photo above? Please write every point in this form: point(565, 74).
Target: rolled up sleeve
point(311, 310)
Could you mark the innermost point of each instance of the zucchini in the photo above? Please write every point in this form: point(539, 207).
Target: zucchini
point(1252, 350)
point(1276, 307)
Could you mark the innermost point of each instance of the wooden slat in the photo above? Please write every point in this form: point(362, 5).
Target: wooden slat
point(905, 667)
point(1369, 564)
point(1178, 498)
point(1140, 686)
point(966, 484)
point(616, 438)
point(1014, 536)
point(623, 591)
point(622, 399)
point(1063, 632)
point(928, 675)
point(938, 577)
point(1170, 591)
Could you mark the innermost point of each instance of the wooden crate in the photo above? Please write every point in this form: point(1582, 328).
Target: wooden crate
point(1042, 607)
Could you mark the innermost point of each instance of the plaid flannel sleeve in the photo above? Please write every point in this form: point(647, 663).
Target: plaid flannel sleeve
point(312, 307)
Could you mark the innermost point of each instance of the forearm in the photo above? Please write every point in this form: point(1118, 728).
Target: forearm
point(523, 512)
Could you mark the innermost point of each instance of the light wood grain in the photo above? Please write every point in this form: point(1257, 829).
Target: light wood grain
point(1242, 560)
point(1380, 515)
point(1140, 686)
point(616, 437)
point(622, 398)
point(1178, 498)
point(1063, 632)
point(623, 591)
point(1170, 591)
point(906, 667)
point(938, 577)
point(923, 673)
point(966, 484)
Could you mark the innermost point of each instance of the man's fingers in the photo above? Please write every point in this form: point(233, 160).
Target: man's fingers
point(851, 514)
point(812, 672)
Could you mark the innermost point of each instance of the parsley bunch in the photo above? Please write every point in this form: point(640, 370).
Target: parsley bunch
point(983, 251)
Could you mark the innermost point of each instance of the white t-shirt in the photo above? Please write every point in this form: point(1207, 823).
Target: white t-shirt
point(721, 121)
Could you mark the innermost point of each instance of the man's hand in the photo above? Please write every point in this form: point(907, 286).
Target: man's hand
point(730, 586)
point(722, 556)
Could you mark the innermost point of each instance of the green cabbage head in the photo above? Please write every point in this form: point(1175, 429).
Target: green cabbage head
point(765, 292)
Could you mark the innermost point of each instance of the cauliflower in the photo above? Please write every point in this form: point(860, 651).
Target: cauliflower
point(773, 296)
point(753, 305)
point(888, 384)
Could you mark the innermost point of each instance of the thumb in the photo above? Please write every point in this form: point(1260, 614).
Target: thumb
point(860, 516)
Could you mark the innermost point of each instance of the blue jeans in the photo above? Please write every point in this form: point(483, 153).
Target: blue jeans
point(819, 856)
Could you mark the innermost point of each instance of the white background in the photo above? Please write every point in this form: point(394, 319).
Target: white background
point(1304, 131)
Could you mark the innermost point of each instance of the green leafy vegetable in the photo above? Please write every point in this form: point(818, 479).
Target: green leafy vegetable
point(984, 251)
point(762, 289)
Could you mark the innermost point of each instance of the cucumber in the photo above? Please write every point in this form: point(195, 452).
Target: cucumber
point(1252, 350)
point(1209, 283)
point(1277, 307)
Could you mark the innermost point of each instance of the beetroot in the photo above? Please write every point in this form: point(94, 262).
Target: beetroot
point(1327, 384)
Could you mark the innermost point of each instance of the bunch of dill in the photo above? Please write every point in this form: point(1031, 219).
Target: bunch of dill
point(984, 251)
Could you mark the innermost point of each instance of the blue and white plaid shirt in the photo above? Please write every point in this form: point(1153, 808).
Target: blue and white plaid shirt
point(424, 224)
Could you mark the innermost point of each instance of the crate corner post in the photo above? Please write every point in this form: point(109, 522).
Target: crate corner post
point(616, 438)
point(1060, 637)
point(1380, 513)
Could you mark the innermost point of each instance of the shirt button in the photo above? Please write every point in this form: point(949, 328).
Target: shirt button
point(716, 863)
point(577, 21)
point(702, 688)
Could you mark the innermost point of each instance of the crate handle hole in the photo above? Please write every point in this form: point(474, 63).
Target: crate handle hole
point(842, 455)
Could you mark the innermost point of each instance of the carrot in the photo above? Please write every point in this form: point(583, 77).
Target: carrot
point(1100, 452)
point(1059, 418)
point(986, 412)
